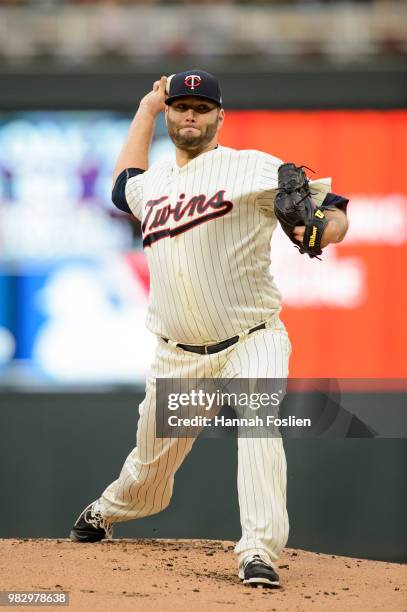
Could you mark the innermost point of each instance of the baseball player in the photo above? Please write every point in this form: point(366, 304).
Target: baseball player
point(207, 221)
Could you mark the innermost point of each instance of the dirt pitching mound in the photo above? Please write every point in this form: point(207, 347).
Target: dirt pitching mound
point(194, 576)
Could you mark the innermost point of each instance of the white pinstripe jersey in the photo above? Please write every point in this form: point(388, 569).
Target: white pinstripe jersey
point(206, 233)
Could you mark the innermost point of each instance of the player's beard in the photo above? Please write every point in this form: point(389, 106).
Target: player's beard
point(190, 142)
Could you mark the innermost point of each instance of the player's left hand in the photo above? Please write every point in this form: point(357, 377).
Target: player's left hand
point(297, 212)
point(331, 232)
point(299, 231)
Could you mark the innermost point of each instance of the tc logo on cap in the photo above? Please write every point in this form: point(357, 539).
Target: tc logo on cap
point(192, 81)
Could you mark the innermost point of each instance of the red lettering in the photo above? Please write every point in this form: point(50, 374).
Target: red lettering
point(156, 219)
point(150, 206)
point(165, 214)
point(195, 203)
point(217, 200)
point(178, 212)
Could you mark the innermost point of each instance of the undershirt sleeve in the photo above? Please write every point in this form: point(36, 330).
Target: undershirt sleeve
point(127, 193)
point(332, 199)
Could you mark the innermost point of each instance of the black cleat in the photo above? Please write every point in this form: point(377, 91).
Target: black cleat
point(257, 572)
point(91, 526)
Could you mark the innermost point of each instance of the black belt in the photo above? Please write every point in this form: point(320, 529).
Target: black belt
point(208, 349)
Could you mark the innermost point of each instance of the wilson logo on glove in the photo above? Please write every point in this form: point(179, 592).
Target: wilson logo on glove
point(313, 236)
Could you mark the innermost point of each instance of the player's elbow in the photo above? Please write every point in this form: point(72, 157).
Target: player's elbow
point(342, 229)
point(337, 227)
point(334, 232)
point(337, 233)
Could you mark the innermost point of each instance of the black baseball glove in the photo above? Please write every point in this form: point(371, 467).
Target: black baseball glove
point(293, 206)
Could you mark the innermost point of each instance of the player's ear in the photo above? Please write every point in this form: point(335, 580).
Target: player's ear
point(221, 117)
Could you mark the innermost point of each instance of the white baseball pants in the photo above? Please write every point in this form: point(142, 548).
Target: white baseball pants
point(145, 484)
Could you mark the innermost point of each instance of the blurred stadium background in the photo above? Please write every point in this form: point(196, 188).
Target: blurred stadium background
point(319, 83)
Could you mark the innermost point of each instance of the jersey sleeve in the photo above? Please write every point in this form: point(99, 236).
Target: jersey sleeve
point(268, 183)
point(127, 194)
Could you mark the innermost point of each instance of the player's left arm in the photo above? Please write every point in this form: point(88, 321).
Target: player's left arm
point(335, 230)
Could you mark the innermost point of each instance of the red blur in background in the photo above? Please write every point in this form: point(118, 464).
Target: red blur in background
point(365, 154)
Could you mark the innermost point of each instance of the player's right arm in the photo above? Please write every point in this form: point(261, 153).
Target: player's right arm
point(133, 158)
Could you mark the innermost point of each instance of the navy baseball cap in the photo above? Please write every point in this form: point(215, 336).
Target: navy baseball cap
point(194, 83)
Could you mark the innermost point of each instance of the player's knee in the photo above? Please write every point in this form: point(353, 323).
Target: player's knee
point(167, 495)
point(165, 502)
point(158, 503)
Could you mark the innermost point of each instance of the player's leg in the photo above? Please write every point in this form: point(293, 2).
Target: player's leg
point(145, 484)
point(262, 500)
point(262, 470)
point(146, 481)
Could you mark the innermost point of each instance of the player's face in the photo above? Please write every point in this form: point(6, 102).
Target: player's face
point(193, 122)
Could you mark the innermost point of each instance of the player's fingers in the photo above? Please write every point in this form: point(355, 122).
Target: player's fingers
point(156, 85)
point(162, 83)
point(299, 232)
